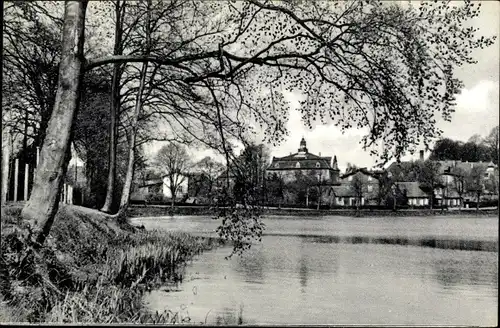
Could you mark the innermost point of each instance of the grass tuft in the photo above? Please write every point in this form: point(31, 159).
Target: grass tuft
point(91, 269)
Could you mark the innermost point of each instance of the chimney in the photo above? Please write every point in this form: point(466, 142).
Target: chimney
point(421, 155)
point(290, 153)
point(319, 154)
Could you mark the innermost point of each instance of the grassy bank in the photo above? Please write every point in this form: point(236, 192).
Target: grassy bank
point(143, 211)
point(92, 269)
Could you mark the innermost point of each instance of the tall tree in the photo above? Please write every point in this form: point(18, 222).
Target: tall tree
point(386, 181)
point(476, 139)
point(446, 149)
point(320, 180)
point(356, 186)
point(172, 162)
point(429, 177)
point(475, 183)
point(276, 189)
point(249, 170)
point(492, 142)
point(43, 203)
point(114, 108)
point(90, 136)
point(31, 57)
point(211, 170)
point(459, 183)
point(491, 184)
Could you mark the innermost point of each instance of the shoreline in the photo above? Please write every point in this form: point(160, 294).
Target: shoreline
point(158, 211)
point(91, 269)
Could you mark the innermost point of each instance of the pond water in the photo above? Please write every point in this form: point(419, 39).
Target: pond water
point(340, 270)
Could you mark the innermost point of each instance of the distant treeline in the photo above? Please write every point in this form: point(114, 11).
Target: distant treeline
point(474, 150)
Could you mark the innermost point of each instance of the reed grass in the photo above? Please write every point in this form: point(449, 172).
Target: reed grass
point(89, 271)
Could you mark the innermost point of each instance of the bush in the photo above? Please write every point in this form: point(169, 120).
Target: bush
point(155, 197)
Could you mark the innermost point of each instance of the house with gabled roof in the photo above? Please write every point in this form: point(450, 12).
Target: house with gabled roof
point(306, 163)
point(451, 169)
point(344, 194)
point(445, 194)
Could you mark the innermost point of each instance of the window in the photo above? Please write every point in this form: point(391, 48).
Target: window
point(370, 188)
point(297, 165)
point(277, 165)
point(317, 164)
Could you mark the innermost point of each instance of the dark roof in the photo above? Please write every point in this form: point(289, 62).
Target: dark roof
point(413, 189)
point(223, 175)
point(151, 182)
point(400, 165)
point(452, 193)
point(343, 190)
point(363, 170)
point(305, 160)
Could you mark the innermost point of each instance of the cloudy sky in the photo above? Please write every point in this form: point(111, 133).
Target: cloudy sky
point(476, 111)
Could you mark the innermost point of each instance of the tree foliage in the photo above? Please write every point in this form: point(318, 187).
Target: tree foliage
point(356, 186)
point(475, 183)
point(459, 182)
point(429, 177)
point(172, 162)
point(204, 176)
point(31, 55)
point(276, 189)
point(474, 150)
point(249, 172)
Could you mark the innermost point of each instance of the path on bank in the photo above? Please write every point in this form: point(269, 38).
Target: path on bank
point(163, 210)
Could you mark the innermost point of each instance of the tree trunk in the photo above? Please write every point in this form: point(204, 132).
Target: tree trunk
point(319, 198)
point(6, 144)
point(477, 201)
point(127, 186)
point(307, 197)
point(114, 114)
point(43, 204)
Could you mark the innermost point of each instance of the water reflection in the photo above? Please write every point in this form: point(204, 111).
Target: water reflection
point(303, 272)
point(251, 265)
point(444, 243)
point(346, 278)
point(470, 271)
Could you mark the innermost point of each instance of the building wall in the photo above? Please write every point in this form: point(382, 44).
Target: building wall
point(289, 176)
point(370, 187)
point(348, 201)
point(418, 201)
point(140, 193)
point(452, 202)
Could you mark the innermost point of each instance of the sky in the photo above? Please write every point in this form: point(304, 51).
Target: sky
point(476, 112)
